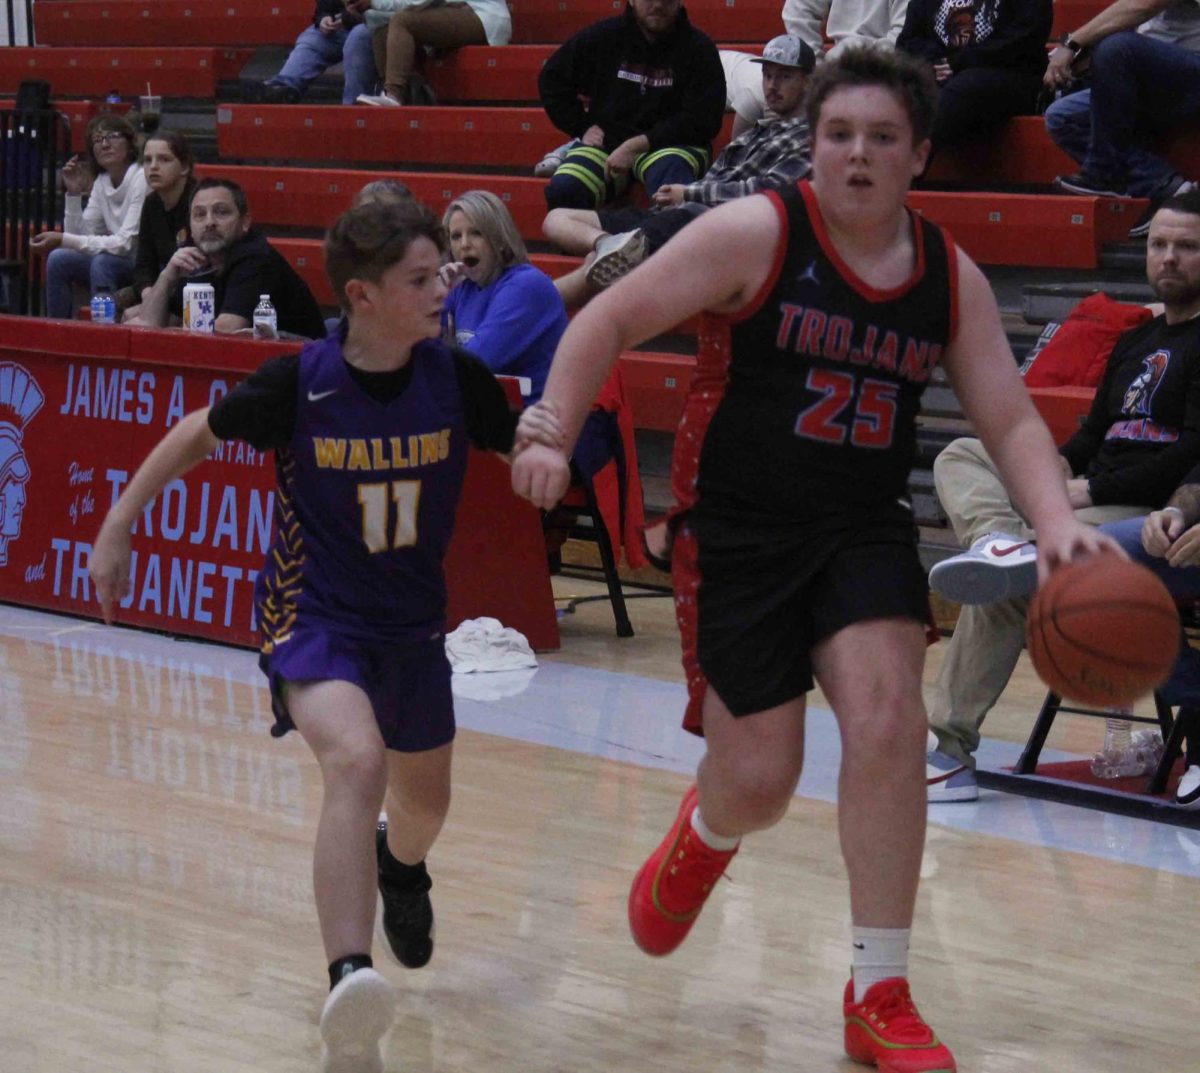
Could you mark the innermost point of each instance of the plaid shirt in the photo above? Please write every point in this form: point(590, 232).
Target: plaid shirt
point(774, 153)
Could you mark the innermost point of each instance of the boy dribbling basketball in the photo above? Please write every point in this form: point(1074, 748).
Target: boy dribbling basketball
point(826, 307)
point(370, 430)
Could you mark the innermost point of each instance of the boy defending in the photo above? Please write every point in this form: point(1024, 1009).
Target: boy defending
point(370, 430)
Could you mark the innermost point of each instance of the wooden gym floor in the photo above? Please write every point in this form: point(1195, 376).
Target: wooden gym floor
point(156, 915)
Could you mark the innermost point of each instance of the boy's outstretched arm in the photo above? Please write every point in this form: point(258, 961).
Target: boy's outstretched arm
point(189, 442)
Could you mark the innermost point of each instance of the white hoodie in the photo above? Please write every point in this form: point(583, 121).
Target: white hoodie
point(110, 222)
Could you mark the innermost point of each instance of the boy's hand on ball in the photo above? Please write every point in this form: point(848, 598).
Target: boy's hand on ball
point(1070, 542)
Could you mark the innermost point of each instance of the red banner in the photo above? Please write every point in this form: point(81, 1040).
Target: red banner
point(80, 408)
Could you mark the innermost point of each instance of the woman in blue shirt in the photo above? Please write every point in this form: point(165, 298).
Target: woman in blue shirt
point(501, 308)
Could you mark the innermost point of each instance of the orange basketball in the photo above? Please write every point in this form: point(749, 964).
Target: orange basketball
point(1103, 631)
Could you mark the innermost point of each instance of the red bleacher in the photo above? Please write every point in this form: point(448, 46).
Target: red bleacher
point(165, 23)
point(92, 72)
point(994, 228)
point(443, 135)
point(1022, 152)
point(315, 197)
point(277, 22)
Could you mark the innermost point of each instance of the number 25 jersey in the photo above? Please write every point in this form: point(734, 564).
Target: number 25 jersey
point(823, 381)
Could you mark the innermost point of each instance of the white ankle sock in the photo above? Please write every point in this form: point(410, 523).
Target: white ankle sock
point(878, 954)
point(711, 840)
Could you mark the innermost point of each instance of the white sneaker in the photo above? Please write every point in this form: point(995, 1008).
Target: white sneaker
point(1187, 793)
point(548, 165)
point(946, 779)
point(357, 1015)
point(379, 99)
point(616, 256)
point(997, 567)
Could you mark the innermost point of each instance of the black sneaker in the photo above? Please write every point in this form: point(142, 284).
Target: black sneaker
point(1142, 228)
point(419, 92)
point(1087, 185)
point(278, 93)
point(405, 917)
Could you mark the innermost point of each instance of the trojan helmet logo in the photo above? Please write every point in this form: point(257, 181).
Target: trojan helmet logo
point(1140, 393)
point(20, 399)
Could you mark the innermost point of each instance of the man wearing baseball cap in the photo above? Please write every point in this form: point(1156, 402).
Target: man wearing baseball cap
point(774, 153)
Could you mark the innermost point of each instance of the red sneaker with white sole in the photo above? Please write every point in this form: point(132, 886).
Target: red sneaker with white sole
point(886, 1031)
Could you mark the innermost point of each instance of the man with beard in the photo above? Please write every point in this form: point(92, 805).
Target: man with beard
point(239, 263)
point(1138, 443)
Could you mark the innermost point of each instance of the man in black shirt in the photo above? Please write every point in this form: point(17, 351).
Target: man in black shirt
point(655, 92)
point(239, 263)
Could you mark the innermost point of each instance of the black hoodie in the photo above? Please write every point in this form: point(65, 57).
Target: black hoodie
point(672, 90)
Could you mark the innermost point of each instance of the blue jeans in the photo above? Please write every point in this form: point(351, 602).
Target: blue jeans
point(1183, 583)
point(1142, 89)
point(358, 64)
point(65, 268)
point(310, 56)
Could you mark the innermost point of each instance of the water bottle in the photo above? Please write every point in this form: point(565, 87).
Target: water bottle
point(1125, 753)
point(104, 307)
point(266, 324)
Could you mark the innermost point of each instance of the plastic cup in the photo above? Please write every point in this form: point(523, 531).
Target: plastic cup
point(151, 108)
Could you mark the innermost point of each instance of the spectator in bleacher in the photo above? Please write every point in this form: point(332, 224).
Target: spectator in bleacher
point(96, 245)
point(655, 98)
point(988, 57)
point(771, 155)
point(385, 191)
point(743, 97)
point(318, 48)
point(395, 31)
point(240, 264)
point(1139, 440)
point(167, 164)
point(845, 22)
point(1145, 84)
point(500, 308)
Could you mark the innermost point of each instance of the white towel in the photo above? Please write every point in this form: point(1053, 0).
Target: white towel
point(484, 644)
point(494, 686)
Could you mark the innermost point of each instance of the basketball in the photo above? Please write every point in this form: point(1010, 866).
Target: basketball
point(1103, 631)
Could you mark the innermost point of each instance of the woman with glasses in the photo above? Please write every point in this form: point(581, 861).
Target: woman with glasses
point(96, 245)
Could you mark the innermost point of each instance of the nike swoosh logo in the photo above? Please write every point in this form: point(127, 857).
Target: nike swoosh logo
point(859, 946)
point(318, 396)
point(1001, 552)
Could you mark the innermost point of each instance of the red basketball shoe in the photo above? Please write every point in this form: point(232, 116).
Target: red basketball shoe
point(885, 1030)
point(672, 886)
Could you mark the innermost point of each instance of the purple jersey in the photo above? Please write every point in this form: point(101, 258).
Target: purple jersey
point(366, 502)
